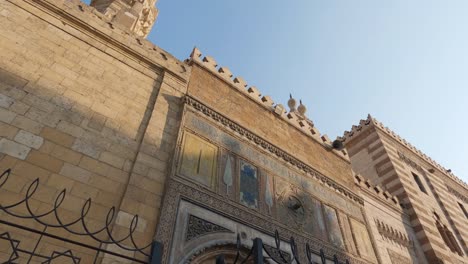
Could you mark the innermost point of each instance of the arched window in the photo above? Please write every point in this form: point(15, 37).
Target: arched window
point(447, 236)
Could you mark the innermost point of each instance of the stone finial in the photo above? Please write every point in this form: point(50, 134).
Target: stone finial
point(291, 103)
point(135, 16)
point(301, 108)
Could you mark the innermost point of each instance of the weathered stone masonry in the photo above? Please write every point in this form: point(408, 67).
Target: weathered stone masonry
point(90, 106)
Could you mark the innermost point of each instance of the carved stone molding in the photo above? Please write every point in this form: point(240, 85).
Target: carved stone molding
point(179, 189)
point(256, 140)
point(393, 234)
point(198, 227)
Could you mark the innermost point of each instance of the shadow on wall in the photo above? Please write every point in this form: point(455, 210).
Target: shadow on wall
point(46, 134)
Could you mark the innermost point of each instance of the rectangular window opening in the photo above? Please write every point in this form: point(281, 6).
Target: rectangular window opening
point(463, 209)
point(419, 183)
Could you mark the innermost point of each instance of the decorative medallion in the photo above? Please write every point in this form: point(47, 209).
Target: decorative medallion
point(198, 227)
point(291, 206)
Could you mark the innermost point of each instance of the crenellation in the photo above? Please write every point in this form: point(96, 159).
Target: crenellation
point(376, 190)
point(295, 118)
point(371, 120)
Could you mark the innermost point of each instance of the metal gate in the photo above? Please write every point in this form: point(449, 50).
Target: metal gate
point(24, 232)
point(257, 256)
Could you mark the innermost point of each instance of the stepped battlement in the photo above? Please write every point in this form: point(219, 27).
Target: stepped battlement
point(371, 121)
point(376, 190)
point(295, 118)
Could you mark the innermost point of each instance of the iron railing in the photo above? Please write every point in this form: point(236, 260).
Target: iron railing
point(258, 247)
point(52, 220)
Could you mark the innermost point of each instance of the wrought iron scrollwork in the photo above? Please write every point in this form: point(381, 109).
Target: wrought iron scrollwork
point(71, 226)
point(257, 249)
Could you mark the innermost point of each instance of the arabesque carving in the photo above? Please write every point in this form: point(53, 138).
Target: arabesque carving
point(182, 189)
point(198, 227)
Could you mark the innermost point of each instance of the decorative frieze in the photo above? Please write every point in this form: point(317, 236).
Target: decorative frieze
point(256, 140)
point(179, 189)
point(198, 227)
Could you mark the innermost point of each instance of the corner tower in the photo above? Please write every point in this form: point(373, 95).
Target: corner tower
point(137, 16)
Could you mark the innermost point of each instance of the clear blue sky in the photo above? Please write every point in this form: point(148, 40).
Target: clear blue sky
point(404, 62)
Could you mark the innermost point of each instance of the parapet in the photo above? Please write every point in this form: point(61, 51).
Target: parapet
point(92, 20)
point(376, 190)
point(371, 121)
point(294, 118)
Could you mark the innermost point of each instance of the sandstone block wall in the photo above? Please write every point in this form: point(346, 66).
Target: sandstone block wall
point(230, 102)
point(86, 108)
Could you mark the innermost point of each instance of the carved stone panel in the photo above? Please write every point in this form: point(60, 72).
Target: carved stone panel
point(198, 160)
point(334, 231)
point(198, 227)
point(317, 224)
point(347, 233)
point(268, 194)
point(363, 241)
point(228, 176)
point(397, 258)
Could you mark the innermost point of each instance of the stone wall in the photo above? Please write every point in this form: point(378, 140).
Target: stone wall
point(87, 108)
point(380, 155)
point(228, 101)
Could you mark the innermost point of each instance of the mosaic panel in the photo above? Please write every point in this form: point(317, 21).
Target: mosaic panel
point(198, 160)
point(334, 232)
point(248, 187)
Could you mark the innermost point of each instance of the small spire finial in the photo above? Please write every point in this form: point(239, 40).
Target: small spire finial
point(301, 108)
point(291, 103)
